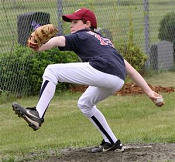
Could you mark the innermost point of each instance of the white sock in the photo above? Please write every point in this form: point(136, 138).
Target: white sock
point(101, 124)
point(46, 94)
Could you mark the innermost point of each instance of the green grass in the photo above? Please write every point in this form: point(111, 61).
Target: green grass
point(166, 78)
point(134, 119)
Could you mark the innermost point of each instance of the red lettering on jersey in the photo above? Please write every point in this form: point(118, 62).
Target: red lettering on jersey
point(103, 41)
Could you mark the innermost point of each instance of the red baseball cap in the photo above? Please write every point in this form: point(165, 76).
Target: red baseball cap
point(81, 14)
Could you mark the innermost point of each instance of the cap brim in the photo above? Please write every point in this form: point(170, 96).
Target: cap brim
point(70, 17)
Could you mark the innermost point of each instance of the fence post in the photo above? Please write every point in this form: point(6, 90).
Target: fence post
point(60, 13)
point(146, 30)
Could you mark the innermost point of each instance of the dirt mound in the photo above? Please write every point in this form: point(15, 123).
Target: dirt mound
point(128, 89)
point(132, 153)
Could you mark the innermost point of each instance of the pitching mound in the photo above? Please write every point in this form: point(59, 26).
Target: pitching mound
point(132, 153)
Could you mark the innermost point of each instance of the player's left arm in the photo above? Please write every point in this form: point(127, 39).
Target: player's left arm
point(58, 41)
point(140, 81)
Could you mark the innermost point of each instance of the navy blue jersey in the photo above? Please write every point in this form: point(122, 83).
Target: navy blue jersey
point(98, 51)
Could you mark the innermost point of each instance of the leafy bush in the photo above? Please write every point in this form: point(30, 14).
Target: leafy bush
point(21, 72)
point(167, 28)
point(133, 55)
point(13, 75)
point(40, 61)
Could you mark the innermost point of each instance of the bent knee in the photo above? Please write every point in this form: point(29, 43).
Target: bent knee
point(87, 110)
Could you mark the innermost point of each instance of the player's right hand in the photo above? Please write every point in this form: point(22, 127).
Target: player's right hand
point(156, 98)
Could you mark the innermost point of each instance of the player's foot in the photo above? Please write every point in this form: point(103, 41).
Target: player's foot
point(30, 115)
point(105, 146)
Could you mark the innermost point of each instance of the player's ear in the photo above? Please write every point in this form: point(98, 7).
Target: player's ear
point(88, 23)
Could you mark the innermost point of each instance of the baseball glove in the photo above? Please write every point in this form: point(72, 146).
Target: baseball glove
point(41, 35)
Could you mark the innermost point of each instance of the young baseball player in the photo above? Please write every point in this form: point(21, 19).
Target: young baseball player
point(102, 68)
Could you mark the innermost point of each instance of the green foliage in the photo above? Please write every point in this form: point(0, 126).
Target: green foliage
point(21, 72)
point(132, 53)
point(13, 71)
point(39, 62)
point(167, 28)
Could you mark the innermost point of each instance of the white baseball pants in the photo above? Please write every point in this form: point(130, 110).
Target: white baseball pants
point(101, 85)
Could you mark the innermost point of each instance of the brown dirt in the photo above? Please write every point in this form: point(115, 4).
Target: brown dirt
point(133, 153)
point(129, 89)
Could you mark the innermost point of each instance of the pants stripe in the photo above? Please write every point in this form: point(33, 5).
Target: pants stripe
point(102, 129)
point(41, 92)
point(43, 87)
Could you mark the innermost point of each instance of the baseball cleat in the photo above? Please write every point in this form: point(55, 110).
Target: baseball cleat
point(105, 146)
point(30, 115)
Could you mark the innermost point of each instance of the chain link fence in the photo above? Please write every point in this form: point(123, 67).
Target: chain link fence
point(115, 19)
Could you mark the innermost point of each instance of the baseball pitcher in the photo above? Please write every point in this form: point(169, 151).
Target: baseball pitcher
point(102, 69)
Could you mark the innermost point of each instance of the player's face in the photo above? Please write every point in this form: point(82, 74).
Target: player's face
point(77, 25)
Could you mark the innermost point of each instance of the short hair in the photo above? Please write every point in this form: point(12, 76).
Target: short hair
point(84, 21)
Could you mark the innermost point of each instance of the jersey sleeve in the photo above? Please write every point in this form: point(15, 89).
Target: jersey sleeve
point(71, 43)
